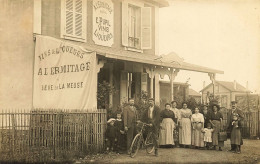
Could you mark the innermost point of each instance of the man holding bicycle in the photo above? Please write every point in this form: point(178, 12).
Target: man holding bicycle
point(151, 116)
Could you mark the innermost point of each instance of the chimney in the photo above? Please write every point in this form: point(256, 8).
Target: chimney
point(235, 85)
point(204, 84)
point(246, 85)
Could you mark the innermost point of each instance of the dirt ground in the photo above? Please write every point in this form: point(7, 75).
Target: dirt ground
point(250, 154)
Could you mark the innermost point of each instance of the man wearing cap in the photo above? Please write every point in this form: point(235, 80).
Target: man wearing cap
point(152, 116)
point(130, 118)
point(234, 110)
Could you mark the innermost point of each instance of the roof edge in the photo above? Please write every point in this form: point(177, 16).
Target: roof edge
point(218, 82)
point(160, 3)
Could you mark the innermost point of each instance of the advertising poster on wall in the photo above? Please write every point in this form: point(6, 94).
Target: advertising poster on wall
point(103, 22)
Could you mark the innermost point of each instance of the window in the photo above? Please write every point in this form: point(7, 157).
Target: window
point(223, 101)
point(73, 19)
point(136, 26)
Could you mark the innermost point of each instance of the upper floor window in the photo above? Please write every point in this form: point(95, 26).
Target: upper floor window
point(73, 19)
point(136, 26)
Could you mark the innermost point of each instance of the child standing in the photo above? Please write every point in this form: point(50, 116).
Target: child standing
point(110, 135)
point(208, 136)
point(236, 137)
point(120, 133)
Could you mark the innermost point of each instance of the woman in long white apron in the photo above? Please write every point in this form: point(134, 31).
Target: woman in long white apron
point(185, 126)
point(197, 120)
point(167, 126)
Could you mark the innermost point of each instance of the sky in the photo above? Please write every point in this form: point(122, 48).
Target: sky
point(219, 34)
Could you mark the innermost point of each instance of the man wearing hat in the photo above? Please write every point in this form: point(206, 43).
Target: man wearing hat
point(130, 118)
point(152, 116)
point(234, 110)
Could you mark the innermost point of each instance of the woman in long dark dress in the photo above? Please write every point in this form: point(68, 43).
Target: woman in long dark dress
point(205, 113)
point(167, 126)
point(215, 118)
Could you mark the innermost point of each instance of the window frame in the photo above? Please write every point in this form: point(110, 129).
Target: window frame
point(63, 34)
point(125, 43)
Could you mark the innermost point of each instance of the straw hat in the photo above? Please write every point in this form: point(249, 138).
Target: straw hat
point(110, 120)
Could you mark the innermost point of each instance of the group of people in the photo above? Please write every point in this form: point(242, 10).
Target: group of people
point(174, 127)
point(124, 130)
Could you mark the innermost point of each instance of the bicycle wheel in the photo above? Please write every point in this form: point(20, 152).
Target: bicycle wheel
point(135, 145)
point(149, 144)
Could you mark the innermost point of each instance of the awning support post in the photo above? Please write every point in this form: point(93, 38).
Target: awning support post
point(151, 75)
point(213, 80)
point(151, 83)
point(100, 64)
point(174, 73)
point(111, 84)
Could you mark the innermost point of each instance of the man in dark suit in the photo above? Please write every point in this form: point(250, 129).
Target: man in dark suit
point(152, 116)
point(130, 118)
point(234, 110)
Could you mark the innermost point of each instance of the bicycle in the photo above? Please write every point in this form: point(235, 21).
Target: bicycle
point(138, 139)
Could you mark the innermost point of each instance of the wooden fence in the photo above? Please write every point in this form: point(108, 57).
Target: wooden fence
point(49, 136)
point(251, 123)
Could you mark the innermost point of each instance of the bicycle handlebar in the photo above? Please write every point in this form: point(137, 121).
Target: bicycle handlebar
point(143, 123)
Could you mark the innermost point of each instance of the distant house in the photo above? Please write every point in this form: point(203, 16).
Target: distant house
point(180, 90)
point(224, 90)
point(196, 95)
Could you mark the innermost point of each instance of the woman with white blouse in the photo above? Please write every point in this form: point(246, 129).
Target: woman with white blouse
point(197, 120)
point(185, 126)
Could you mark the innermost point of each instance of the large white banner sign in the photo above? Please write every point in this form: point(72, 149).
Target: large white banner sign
point(65, 76)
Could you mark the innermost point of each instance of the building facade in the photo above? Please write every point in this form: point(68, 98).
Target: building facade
point(122, 33)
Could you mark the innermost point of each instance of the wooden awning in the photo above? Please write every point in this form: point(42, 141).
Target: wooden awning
point(160, 61)
point(170, 60)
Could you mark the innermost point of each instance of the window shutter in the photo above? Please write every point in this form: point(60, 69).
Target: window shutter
point(78, 18)
point(69, 17)
point(74, 19)
point(124, 23)
point(146, 28)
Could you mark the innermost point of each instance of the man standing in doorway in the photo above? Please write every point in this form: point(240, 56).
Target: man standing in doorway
point(152, 116)
point(130, 118)
point(234, 110)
